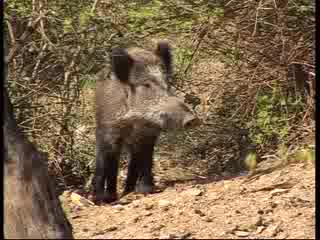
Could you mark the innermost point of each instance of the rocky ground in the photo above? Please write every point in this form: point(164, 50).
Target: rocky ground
point(272, 203)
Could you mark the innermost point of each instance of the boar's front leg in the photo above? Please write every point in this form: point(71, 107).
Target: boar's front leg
point(145, 172)
point(140, 166)
point(107, 161)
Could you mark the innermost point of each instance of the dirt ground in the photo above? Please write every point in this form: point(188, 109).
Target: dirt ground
point(273, 203)
point(270, 204)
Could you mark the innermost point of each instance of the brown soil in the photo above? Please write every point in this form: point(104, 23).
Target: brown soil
point(269, 204)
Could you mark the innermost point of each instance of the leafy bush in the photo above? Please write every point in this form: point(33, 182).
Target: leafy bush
point(50, 78)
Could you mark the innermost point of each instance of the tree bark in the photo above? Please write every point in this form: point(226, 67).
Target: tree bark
point(31, 206)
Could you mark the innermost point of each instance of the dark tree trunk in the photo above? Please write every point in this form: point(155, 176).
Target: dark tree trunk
point(31, 206)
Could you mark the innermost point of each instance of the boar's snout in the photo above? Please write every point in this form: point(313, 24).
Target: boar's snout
point(178, 121)
point(176, 115)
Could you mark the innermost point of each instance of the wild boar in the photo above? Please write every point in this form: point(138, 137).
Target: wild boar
point(134, 102)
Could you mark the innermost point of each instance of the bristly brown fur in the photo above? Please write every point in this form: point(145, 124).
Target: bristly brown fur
point(131, 112)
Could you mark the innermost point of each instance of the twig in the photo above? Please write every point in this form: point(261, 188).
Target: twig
point(11, 34)
point(256, 21)
point(202, 34)
point(275, 4)
point(40, 56)
point(229, 2)
point(303, 63)
point(20, 43)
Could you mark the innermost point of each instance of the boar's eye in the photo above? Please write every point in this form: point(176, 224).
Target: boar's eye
point(147, 85)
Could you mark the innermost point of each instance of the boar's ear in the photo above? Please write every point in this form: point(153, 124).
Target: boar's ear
point(121, 63)
point(164, 52)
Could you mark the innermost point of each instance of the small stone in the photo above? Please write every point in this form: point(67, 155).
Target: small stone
point(260, 229)
point(268, 222)
point(157, 228)
point(199, 212)
point(237, 211)
point(269, 210)
point(136, 205)
point(258, 221)
point(214, 195)
point(98, 233)
point(193, 192)
point(241, 233)
point(260, 212)
point(168, 236)
point(198, 198)
point(208, 219)
point(274, 204)
point(111, 228)
point(148, 214)
point(136, 219)
point(185, 235)
point(232, 229)
point(229, 221)
point(124, 202)
point(148, 206)
point(118, 207)
point(247, 227)
point(304, 199)
point(272, 231)
point(298, 214)
point(164, 204)
point(283, 235)
point(164, 237)
point(278, 191)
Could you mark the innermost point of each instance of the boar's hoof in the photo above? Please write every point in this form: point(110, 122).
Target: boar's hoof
point(105, 198)
point(110, 197)
point(143, 188)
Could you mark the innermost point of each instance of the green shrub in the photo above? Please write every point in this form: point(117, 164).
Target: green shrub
point(273, 115)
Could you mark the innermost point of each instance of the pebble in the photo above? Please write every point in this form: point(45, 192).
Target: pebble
point(136, 219)
point(260, 229)
point(111, 228)
point(260, 212)
point(193, 192)
point(208, 219)
point(199, 212)
point(148, 214)
point(118, 207)
point(278, 191)
point(164, 204)
point(148, 206)
point(272, 231)
point(241, 233)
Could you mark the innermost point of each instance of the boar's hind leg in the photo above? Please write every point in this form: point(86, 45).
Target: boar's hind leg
point(107, 161)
